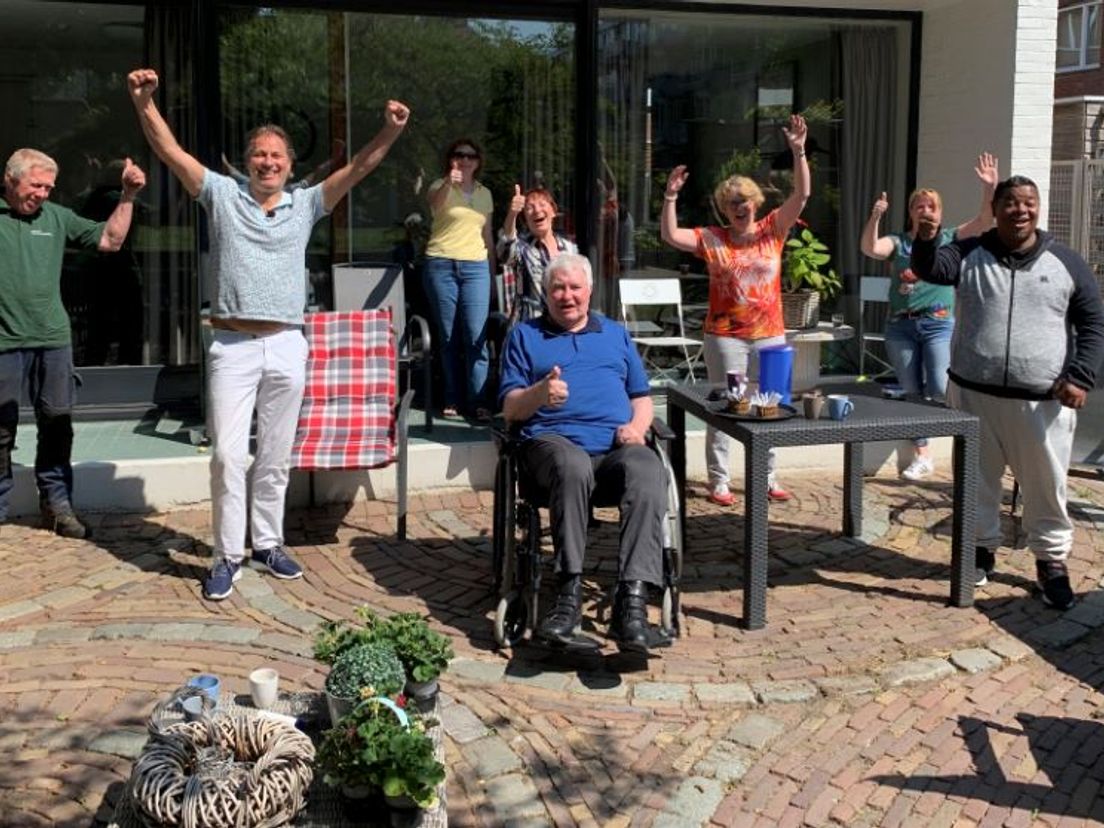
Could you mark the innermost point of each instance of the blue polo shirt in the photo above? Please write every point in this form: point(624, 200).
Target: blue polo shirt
point(602, 370)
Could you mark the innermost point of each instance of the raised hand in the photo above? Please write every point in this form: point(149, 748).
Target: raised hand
point(455, 176)
point(881, 204)
point(986, 169)
point(142, 83)
point(555, 387)
point(677, 179)
point(796, 132)
point(517, 202)
point(133, 178)
point(396, 114)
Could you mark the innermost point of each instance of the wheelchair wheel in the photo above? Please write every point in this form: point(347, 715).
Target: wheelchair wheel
point(512, 617)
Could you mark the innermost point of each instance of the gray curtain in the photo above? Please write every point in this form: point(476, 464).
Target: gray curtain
point(870, 142)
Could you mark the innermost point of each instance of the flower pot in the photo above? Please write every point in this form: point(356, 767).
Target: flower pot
point(422, 693)
point(338, 706)
point(801, 309)
point(357, 791)
point(404, 812)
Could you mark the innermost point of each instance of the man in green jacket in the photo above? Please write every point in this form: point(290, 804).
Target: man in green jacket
point(35, 341)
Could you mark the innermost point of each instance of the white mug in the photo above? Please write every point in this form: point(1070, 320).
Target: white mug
point(263, 687)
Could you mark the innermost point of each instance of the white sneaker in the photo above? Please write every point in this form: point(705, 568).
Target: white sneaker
point(919, 468)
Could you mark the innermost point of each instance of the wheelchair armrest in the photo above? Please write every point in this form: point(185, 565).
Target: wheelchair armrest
point(662, 431)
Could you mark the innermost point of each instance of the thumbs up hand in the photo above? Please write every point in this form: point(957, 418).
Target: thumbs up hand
point(555, 387)
point(517, 203)
point(133, 179)
point(455, 176)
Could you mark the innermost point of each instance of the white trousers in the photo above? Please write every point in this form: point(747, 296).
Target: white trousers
point(723, 354)
point(246, 372)
point(1035, 439)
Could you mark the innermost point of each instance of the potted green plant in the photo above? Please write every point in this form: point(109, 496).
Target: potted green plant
point(378, 747)
point(424, 653)
point(371, 668)
point(805, 279)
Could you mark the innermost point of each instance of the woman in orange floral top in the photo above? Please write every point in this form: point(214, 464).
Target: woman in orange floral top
point(744, 260)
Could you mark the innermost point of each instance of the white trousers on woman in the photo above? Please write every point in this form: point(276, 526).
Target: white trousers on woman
point(1035, 439)
point(723, 354)
point(246, 372)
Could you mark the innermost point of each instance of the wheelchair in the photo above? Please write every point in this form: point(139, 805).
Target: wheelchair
point(519, 558)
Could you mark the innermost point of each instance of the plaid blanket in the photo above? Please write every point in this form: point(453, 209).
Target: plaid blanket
point(348, 416)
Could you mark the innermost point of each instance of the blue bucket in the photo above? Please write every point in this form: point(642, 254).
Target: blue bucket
point(776, 370)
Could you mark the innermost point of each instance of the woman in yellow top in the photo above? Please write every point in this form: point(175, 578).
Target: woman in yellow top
point(458, 277)
point(744, 259)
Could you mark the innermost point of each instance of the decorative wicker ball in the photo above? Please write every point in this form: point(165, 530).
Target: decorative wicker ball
point(221, 772)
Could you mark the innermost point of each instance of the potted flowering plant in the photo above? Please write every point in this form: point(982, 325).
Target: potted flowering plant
point(424, 653)
point(380, 747)
point(373, 666)
point(805, 279)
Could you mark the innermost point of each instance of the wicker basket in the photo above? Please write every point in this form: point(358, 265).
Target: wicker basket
point(220, 771)
point(801, 309)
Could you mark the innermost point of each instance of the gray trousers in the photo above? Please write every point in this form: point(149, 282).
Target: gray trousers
point(630, 476)
point(1035, 439)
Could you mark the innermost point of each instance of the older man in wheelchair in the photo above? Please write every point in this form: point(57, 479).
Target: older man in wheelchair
point(575, 389)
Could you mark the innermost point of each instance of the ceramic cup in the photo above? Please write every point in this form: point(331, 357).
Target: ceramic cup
point(195, 706)
point(813, 403)
point(208, 683)
point(839, 406)
point(263, 687)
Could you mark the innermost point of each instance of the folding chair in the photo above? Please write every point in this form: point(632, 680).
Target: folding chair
point(364, 285)
point(873, 290)
point(351, 417)
point(648, 335)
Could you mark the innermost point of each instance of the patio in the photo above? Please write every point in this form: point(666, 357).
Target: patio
point(830, 714)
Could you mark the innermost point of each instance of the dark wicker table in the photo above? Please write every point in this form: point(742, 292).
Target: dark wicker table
point(873, 419)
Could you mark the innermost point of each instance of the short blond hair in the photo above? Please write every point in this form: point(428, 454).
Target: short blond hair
point(737, 186)
point(22, 161)
point(926, 192)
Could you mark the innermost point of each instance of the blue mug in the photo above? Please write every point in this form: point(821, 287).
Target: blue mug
point(839, 406)
point(208, 683)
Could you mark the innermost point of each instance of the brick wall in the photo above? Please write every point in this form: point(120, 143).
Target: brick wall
point(987, 83)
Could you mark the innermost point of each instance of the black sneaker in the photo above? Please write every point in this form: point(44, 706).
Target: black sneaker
point(985, 561)
point(277, 561)
point(63, 521)
point(1054, 583)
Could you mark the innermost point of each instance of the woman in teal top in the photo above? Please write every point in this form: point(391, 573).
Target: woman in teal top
point(921, 315)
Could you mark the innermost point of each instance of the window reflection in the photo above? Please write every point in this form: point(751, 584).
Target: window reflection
point(712, 92)
point(135, 307)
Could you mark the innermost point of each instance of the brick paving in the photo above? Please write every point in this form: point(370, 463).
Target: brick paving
point(866, 700)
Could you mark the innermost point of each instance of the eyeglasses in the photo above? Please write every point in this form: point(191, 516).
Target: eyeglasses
point(471, 156)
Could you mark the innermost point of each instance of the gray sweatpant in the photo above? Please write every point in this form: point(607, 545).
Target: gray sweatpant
point(1035, 439)
point(631, 476)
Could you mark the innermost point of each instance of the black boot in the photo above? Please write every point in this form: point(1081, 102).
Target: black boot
point(558, 626)
point(630, 617)
point(63, 521)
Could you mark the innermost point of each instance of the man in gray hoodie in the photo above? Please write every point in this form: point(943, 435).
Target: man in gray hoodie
point(1027, 345)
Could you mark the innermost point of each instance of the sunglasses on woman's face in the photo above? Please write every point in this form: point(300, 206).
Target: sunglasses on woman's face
point(471, 156)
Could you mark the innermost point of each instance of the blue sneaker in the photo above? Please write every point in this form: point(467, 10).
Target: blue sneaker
point(221, 579)
point(277, 561)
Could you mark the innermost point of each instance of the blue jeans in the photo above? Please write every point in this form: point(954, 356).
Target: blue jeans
point(920, 350)
point(460, 299)
point(48, 376)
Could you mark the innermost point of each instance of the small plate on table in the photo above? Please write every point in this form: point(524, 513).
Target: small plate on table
point(784, 413)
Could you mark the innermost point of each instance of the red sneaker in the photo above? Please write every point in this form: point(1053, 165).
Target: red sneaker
point(721, 495)
point(775, 492)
